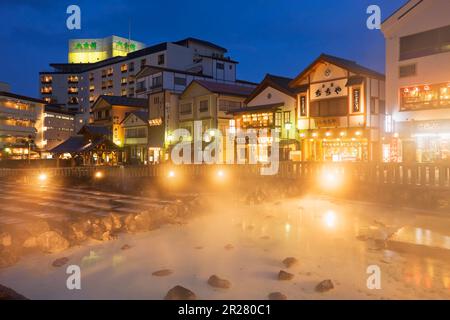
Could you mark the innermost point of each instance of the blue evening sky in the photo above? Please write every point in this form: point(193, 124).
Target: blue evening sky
point(266, 36)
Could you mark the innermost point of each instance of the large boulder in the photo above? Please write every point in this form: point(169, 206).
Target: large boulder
point(9, 294)
point(8, 256)
point(5, 239)
point(216, 282)
point(324, 286)
point(180, 293)
point(52, 242)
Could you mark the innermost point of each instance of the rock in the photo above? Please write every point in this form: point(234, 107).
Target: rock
point(277, 296)
point(60, 262)
point(180, 293)
point(116, 222)
point(290, 261)
point(5, 239)
point(30, 242)
point(9, 294)
point(78, 231)
point(285, 276)
point(162, 273)
point(325, 286)
point(130, 224)
point(107, 223)
point(8, 257)
point(216, 282)
point(229, 247)
point(125, 247)
point(143, 221)
point(52, 242)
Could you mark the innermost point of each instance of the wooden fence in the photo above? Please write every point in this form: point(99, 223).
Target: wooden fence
point(419, 175)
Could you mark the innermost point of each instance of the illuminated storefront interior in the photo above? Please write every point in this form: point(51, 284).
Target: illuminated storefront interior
point(425, 97)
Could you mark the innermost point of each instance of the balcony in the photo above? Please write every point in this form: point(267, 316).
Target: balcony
point(18, 130)
point(17, 113)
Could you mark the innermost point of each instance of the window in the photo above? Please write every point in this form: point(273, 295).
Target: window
point(161, 59)
point(131, 66)
point(220, 66)
point(204, 106)
point(72, 79)
point(425, 97)
point(156, 100)
point(303, 110)
point(407, 70)
point(110, 83)
point(136, 133)
point(329, 108)
point(123, 92)
point(73, 100)
point(140, 86)
point(278, 119)
point(110, 72)
point(91, 88)
point(130, 80)
point(425, 43)
point(227, 105)
point(157, 82)
point(287, 117)
point(124, 68)
point(186, 108)
point(91, 76)
point(103, 73)
point(46, 79)
point(179, 81)
point(143, 63)
point(124, 80)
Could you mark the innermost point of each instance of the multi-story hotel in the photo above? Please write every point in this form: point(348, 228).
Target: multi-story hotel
point(21, 123)
point(79, 84)
point(340, 110)
point(418, 82)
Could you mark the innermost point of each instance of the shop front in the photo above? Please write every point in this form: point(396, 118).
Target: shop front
point(425, 141)
point(336, 145)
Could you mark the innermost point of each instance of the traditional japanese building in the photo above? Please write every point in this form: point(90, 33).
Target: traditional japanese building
point(340, 110)
point(136, 139)
point(110, 111)
point(271, 106)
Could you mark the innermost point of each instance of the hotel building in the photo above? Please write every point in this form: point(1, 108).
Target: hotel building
point(21, 123)
point(80, 82)
point(418, 82)
point(340, 110)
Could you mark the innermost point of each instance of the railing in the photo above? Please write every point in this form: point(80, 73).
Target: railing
point(413, 175)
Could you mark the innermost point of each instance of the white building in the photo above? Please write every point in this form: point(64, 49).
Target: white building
point(79, 84)
point(21, 122)
point(418, 80)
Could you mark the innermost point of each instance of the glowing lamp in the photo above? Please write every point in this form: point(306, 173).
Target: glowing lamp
point(42, 177)
point(328, 134)
point(98, 175)
point(171, 174)
point(220, 173)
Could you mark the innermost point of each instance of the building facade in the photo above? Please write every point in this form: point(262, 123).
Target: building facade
point(80, 84)
point(21, 123)
point(58, 126)
point(340, 110)
point(418, 82)
point(136, 139)
point(108, 112)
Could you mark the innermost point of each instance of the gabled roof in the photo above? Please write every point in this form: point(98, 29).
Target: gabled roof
point(142, 115)
point(277, 82)
point(123, 101)
point(94, 130)
point(185, 43)
point(80, 143)
point(20, 97)
point(223, 88)
point(349, 65)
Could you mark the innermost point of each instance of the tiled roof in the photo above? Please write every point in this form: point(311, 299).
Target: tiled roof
point(80, 143)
